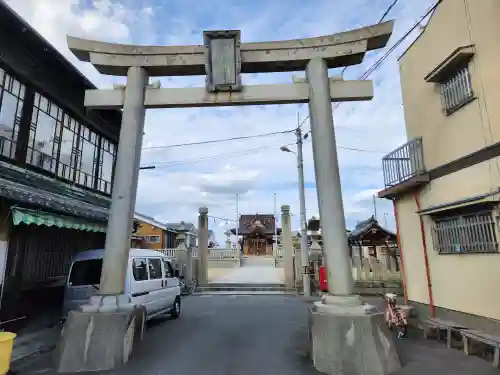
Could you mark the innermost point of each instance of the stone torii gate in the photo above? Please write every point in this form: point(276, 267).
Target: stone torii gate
point(346, 335)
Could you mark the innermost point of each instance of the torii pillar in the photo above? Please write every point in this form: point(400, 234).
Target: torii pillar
point(348, 336)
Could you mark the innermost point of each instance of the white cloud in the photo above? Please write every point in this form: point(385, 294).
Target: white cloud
point(212, 174)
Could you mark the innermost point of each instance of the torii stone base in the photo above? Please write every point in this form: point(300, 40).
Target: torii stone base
point(350, 338)
point(98, 341)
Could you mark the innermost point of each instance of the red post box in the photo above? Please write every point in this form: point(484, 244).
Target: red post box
point(323, 284)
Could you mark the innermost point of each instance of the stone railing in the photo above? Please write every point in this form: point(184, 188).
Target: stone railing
point(223, 254)
point(373, 270)
point(212, 253)
point(171, 253)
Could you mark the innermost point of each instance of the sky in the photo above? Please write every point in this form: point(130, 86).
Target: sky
point(212, 175)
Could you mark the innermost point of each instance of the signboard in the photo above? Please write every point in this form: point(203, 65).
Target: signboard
point(222, 60)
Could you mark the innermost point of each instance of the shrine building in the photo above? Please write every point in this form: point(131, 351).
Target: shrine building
point(257, 233)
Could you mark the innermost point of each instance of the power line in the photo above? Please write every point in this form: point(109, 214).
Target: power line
point(219, 140)
point(386, 13)
point(174, 163)
point(362, 150)
point(215, 157)
point(381, 60)
point(222, 219)
point(388, 10)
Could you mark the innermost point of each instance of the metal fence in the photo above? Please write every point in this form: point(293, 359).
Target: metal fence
point(403, 163)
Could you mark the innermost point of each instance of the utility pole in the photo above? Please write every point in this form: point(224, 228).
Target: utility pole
point(237, 225)
point(375, 206)
point(304, 246)
point(275, 228)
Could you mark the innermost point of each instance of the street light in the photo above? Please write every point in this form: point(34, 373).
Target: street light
point(304, 248)
point(147, 167)
point(286, 149)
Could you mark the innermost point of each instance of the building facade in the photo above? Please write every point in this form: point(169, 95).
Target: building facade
point(445, 181)
point(154, 234)
point(257, 234)
point(56, 169)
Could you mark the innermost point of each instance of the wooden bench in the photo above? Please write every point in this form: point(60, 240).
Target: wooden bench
point(438, 325)
point(484, 338)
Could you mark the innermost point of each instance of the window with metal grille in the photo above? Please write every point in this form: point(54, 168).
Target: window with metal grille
point(456, 91)
point(68, 148)
point(87, 157)
point(11, 104)
point(465, 233)
point(45, 133)
point(108, 155)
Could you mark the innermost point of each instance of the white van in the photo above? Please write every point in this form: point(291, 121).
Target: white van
point(150, 282)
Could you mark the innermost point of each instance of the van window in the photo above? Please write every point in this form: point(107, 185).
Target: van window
point(139, 269)
point(86, 272)
point(154, 268)
point(169, 272)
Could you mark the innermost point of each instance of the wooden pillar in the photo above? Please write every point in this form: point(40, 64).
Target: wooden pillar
point(22, 142)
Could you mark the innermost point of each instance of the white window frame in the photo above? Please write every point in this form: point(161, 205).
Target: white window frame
point(466, 233)
point(456, 91)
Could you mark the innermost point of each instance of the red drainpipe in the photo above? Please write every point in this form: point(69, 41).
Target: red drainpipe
point(426, 258)
point(400, 251)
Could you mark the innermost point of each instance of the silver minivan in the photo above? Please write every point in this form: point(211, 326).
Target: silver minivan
point(150, 282)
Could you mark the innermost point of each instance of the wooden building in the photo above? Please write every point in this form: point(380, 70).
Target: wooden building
point(152, 234)
point(369, 238)
point(56, 170)
point(257, 233)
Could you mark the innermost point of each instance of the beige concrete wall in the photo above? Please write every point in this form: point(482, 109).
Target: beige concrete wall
point(475, 125)
point(465, 282)
point(469, 182)
point(411, 247)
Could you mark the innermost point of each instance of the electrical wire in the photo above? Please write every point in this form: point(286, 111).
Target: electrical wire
point(384, 57)
point(222, 219)
point(380, 61)
point(386, 13)
point(216, 157)
point(174, 163)
point(219, 140)
point(388, 10)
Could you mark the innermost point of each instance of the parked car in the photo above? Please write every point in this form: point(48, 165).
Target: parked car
point(150, 282)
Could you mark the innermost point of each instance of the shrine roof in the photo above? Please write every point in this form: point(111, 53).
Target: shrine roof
point(257, 223)
point(369, 227)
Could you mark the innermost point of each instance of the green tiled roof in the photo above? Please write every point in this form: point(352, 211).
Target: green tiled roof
point(25, 216)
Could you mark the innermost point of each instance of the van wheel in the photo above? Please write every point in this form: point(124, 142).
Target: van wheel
point(176, 308)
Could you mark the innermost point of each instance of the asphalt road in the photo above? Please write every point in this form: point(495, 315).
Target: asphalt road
point(249, 335)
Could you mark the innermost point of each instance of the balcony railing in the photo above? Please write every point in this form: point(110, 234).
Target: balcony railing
point(403, 163)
